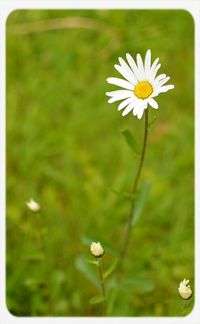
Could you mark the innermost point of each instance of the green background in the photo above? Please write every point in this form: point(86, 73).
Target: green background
point(65, 149)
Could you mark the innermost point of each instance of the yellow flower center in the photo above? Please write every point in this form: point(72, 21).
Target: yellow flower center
point(143, 89)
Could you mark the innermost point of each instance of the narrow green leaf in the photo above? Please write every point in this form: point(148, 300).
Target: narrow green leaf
point(112, 296)
point(111, 269)
point(97, 299)
point(93, 262)
point(140, 201)
point(114, 292)
point(83, 266)
point(131, 141)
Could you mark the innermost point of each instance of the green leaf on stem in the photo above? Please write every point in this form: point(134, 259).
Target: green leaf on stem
point(112, 296)
point(97, 299)
point(141, 201)
point(130, 140)
point(93, 262)
point(83, 266)
point(111, 269)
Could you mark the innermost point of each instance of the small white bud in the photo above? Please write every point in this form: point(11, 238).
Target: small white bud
point(33, 205)
point(96, 249)
point(184, 289)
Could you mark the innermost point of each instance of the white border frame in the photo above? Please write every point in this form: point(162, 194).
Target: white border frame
point(6, 7)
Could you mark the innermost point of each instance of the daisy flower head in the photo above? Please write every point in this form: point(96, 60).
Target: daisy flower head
point(33, 205)
point(184, 289)
point(140, 84)
point(96, 249)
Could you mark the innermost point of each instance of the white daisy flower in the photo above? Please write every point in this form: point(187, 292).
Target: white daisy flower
point(96, 249)
point(141, 85)
point(184, 289)
point(33, 205)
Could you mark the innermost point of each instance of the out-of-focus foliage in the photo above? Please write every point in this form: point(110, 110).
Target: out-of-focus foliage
point(65, 149)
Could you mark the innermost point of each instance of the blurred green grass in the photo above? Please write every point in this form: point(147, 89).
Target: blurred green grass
point(65, 149)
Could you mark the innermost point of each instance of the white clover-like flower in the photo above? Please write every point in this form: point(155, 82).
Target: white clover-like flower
point(96, 249)
point(184, 289)
point(33, 205)
point(141, 85)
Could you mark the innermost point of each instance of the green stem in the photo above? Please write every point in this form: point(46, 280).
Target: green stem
point(135, 186)
point(40, 224)
point(102, 284)
point(184, 306)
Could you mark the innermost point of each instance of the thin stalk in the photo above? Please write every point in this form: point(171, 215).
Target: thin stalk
point(102, 284)
point(184, 306)
point(134, 190)
point(40, 224)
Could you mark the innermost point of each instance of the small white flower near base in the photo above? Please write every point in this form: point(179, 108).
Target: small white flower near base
point(96, 249)
point(33, 205)
point(140, 84)
point(185, 290)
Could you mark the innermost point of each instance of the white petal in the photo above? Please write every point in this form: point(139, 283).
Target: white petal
point(125, 66)
point(153, 103)
point(127, 75)
point(134, 67)
point(119, 95)
point(140, 65)
point(145, 103)
point(140, 112)
point(154, 94)
point(139, 105)
point(128, 109)
point(158, 79)
point(135, 111)
point(153, 73)
point(165, 88)
point(119, 92)
point(163, 81)
point(124, 103)
point(116, 98)
point(136, 107)
point(121, 83)
point(147, 64)
point(153, 67)
point(154, 64)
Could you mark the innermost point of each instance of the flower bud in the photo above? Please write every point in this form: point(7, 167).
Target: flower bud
point(33, 205)
point(96, 249)
point(185, 290)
